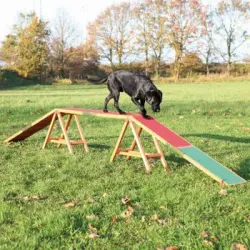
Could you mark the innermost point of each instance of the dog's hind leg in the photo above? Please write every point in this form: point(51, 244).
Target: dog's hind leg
point(116, 103)
point(107, 99)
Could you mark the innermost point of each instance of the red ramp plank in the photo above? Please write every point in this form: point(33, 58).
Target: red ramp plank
point(163, 133)
point(32, 128)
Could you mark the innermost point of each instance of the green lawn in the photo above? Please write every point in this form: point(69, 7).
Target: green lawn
point(173, 209)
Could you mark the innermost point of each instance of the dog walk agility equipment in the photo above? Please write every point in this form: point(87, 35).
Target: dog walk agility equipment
point(137, 123)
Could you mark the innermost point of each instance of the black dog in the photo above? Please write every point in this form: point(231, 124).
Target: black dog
point(137, 85)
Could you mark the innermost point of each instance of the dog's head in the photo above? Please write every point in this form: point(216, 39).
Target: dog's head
point(154, 98)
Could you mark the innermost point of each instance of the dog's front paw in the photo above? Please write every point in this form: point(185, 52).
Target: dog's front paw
point(145, 116)
point(121, 112)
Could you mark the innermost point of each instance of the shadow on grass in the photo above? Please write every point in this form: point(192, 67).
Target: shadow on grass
point(221, 137)
point(98, 146)
point(245, 169)
point(175, 162)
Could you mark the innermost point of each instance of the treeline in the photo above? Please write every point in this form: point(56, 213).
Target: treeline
point(174, 38)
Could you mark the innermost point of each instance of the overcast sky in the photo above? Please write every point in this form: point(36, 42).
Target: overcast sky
point(81, 11)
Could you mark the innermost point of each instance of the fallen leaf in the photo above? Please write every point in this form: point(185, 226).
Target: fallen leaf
point(223, 192)
point(91, 199)
point(71, 204)
point(92, 217)
point(238, 246)
point(125, 200)
point(155, 217)
point(164, 207)
point(130, 209)
point(245, 130)
point(163, 222)
point(207, 243)
point(205, 235)
point(93, 236)
point(125, 214)
point(92, 228)
point(143, 218)
point(31, 197)
point(213, 238)
point(172, 248)
point(128, 212)
point(114, 219)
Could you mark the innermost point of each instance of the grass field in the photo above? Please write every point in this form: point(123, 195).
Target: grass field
point(183, 209)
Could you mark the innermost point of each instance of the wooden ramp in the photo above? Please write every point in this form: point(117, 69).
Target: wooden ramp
point(158, 131)
point(31, 129)
point(195, 156)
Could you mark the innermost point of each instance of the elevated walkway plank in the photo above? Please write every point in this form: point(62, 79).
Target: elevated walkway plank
point(153, 127)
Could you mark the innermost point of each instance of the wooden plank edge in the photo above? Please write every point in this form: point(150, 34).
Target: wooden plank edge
point(105, 115)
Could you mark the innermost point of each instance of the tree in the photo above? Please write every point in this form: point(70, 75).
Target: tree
point(206, 42)
point(26, 50)
point(191, 62)
point(113, 34)
point(184, 27)
point(83, 60)
point(9, 52)
point(141, 13)
point(231, 17)
point(63, 37)
point(151, 33)
point(33, 48)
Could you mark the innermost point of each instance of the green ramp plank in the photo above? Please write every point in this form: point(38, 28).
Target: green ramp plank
point(211, 166)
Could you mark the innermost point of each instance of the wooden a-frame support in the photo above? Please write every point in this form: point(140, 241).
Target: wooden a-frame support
point(130, 152)
point(64, 138)
point(137, 141)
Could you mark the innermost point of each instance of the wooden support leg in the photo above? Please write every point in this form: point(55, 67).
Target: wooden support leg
point(159, 150)
point(65, 132)
point(81, 133)
point(124, 128)
point(132, 147)
point(49, 131)
point(140, 147)
point(66, 127)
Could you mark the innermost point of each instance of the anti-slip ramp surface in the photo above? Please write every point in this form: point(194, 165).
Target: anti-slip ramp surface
point(153, 127)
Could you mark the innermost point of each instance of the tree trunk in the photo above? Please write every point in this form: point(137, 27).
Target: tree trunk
point(177, 70)
point(146, 60)
point(177, 64)
point(207, 66)
point(229, 67)
point(157, 68)
point(120, 60)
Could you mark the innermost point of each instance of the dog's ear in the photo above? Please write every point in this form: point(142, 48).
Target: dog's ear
point(160, 94)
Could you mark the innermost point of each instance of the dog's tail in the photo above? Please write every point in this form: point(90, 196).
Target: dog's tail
point(97, 81)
